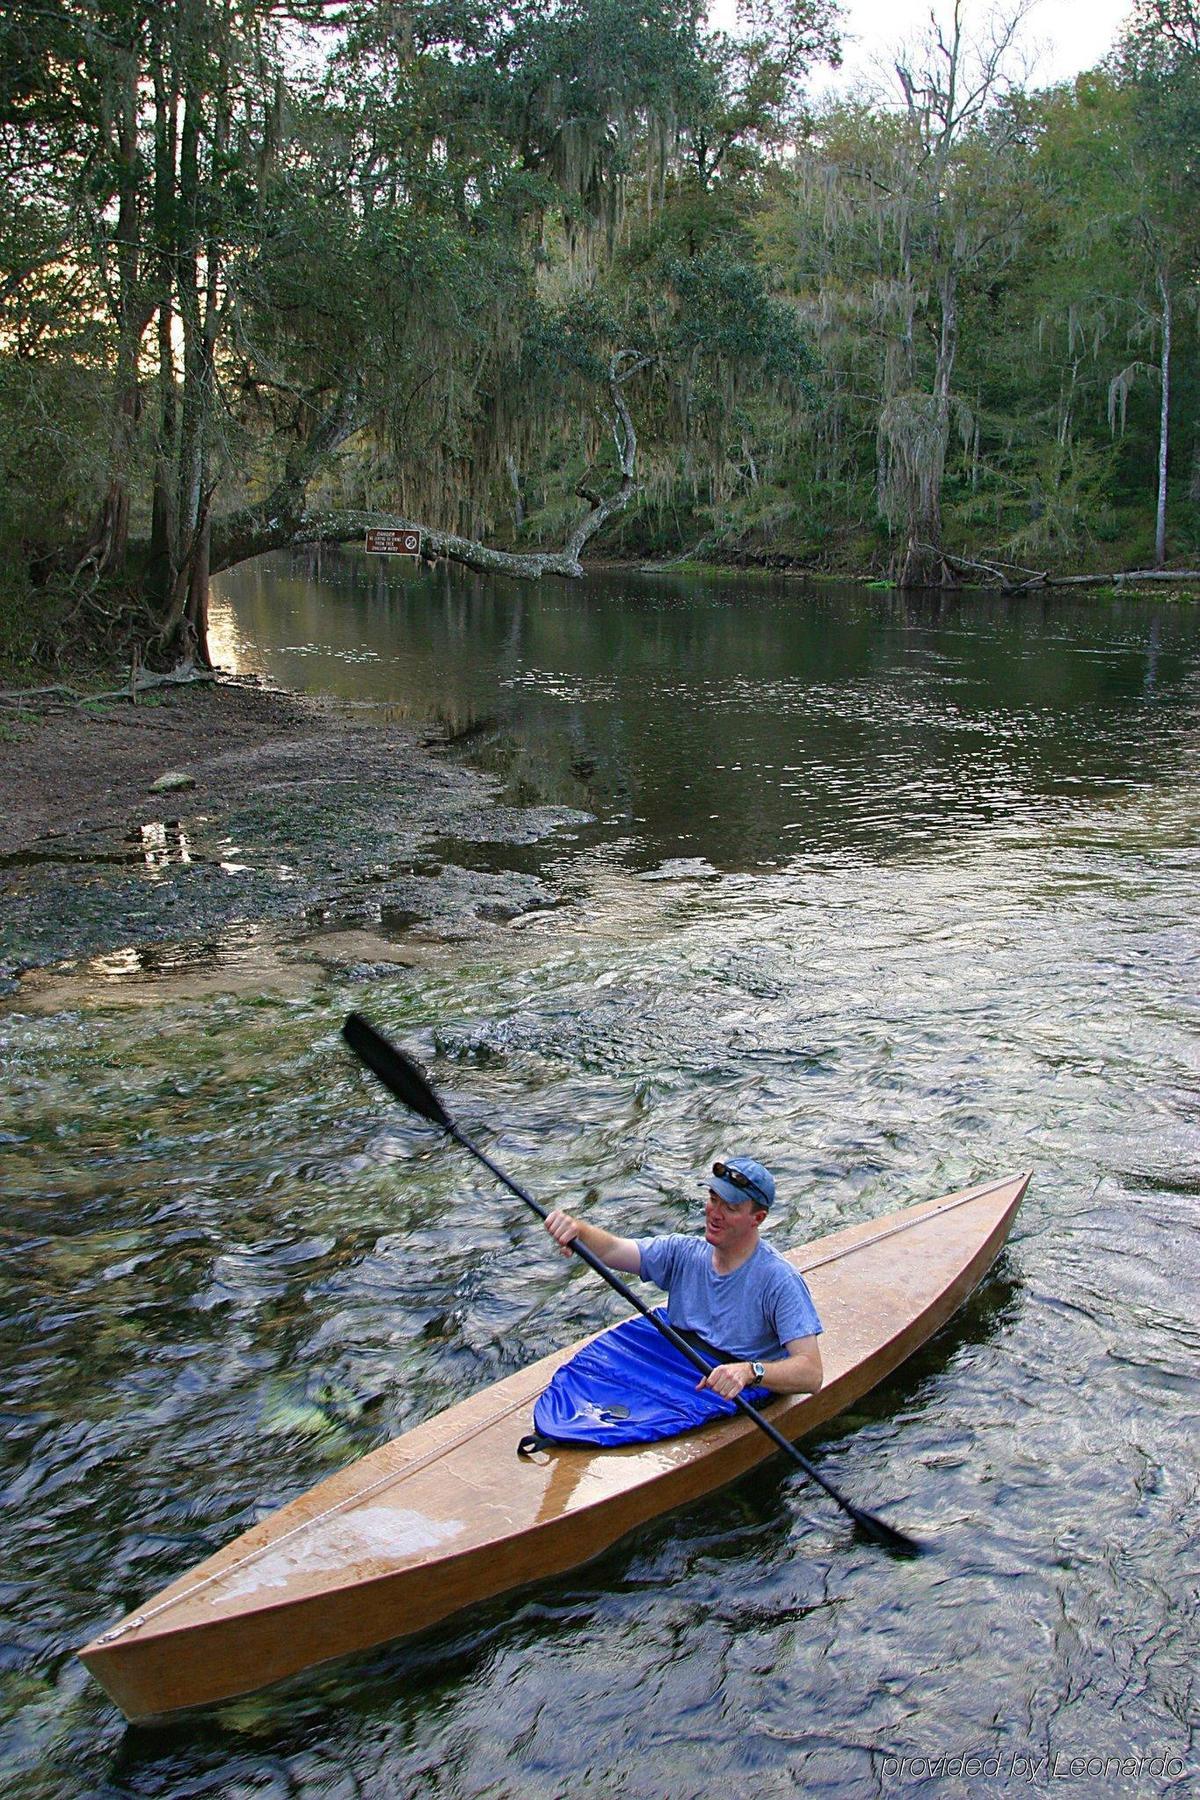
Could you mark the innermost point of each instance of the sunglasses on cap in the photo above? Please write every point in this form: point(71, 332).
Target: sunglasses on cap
point(737, 1178)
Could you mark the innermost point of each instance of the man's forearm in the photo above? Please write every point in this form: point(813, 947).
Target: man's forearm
point(799, 1373)
point(615, 1252)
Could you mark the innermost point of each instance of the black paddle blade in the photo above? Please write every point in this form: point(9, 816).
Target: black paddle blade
point(398, 1073)
point(880, 1532)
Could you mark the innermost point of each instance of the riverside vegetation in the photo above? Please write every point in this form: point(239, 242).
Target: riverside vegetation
point(580, 275)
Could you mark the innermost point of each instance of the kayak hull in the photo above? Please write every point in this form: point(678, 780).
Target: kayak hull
point(446, 1516)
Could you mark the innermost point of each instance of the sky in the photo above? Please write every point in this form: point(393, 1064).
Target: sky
point(1063, 36)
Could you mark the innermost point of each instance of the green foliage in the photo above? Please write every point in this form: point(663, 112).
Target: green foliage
point(1045, 500)
point(425, 274)
point(726, 313)
point(1039, 257)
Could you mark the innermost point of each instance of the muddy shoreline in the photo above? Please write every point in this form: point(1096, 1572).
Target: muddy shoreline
point(75, 769)
point(287, 808)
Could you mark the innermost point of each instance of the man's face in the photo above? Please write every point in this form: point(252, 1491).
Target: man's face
point(730, 1227)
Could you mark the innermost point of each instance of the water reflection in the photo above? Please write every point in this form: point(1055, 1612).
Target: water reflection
point(165, 842)
point(740, 721)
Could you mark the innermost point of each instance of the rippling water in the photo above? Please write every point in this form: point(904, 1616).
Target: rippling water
point(898, 898)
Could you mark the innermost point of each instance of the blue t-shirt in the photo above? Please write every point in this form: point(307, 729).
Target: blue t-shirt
point(753, 1313)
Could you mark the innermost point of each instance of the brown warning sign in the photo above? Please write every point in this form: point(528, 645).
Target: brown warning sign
point(385, 540)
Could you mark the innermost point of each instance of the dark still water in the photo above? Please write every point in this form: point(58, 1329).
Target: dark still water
point(897, 896)
point(740, 720)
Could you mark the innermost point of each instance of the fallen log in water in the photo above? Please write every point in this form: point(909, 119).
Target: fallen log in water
point(1004, 574)
point(1123, 575)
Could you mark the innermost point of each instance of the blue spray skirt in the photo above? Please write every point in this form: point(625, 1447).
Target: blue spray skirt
point(629, 1386)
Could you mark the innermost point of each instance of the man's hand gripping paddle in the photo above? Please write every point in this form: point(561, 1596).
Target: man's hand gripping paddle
point(402, 1078)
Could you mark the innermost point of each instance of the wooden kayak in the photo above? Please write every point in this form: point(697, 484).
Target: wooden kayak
point(447, 1515)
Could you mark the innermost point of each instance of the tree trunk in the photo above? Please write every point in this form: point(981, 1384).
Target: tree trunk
point(1164, 422)
point(200, 315)
point(914, 429)
point(191, 426)
point(160, 567)
point(164, 533)
point(922, 562)
point(517, 482)
point(196, 616)
point(112, 531)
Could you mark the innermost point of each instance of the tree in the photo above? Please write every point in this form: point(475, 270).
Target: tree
point(153, 131)
point(1161, 56)
point(950, 198)
point(747, 106)
point(894, 215)
point(310, 296)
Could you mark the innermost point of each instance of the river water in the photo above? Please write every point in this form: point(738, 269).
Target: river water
point(897, 895)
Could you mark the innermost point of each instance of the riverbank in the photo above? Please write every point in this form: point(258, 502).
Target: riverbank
point(86, 769)
point(225, 803)
point(1160, 584)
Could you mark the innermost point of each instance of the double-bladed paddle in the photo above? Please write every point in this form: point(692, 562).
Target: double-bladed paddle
point(402, 1078)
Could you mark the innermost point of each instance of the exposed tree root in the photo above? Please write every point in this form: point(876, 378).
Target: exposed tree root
point(46, 699)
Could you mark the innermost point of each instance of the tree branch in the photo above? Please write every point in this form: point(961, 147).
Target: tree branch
point(251, 532)
point(284, 519)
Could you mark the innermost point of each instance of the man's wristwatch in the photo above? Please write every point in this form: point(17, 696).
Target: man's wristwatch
point(758, 1370)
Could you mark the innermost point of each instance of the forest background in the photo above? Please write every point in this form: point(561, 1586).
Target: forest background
point(579, 276)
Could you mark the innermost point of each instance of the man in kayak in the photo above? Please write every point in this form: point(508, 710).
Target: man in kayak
point(728, 1287)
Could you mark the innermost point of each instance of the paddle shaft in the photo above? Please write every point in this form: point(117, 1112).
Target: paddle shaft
point(668, 1331)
